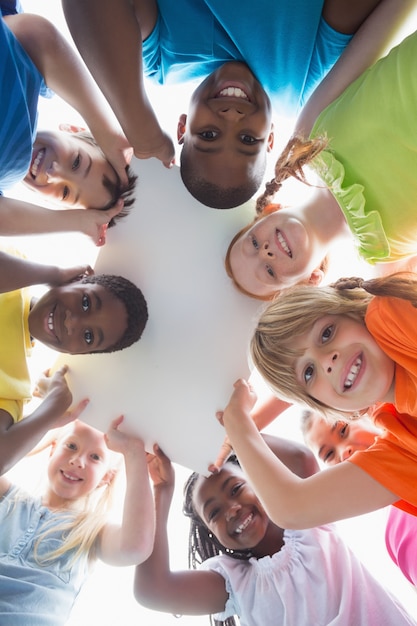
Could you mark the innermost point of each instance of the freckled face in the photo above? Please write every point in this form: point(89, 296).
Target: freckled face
point(78, 464)
point(69, 171)
point(342, 365)
point(336, 442)
point(230, 509)
point(276, 252)
point(78, 318)
point(229, 128)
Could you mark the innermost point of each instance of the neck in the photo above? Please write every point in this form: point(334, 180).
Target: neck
point(325, 219)
point(271, 543)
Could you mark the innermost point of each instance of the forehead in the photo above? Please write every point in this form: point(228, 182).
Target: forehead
point(211, 487)
point(87, 434)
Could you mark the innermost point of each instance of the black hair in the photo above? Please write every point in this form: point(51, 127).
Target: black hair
point(116, 190)
point(135, 304)
point(202, 544)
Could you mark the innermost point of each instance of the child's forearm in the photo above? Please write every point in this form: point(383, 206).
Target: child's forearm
point(372, 40)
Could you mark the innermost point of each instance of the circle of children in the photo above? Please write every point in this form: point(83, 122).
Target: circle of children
point(261, 533)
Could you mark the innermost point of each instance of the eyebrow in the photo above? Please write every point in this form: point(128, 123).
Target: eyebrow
point(86, 173)
point(223, 487)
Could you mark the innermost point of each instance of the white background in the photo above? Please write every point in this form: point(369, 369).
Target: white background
point(107, 598)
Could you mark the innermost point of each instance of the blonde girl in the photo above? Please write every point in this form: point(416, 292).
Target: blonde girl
point(49, 542)
point(337, 349)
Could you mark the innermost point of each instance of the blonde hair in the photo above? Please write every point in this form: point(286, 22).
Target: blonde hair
point(295, 312)
point(81, 527)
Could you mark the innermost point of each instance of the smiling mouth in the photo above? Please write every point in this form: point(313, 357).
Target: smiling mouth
point(244, 524)
point(69, 477)
point(283, 243)
point(233, 92)
point(36, 163)
point(353, 373)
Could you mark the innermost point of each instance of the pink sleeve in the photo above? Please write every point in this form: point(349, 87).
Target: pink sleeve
point(400, 540)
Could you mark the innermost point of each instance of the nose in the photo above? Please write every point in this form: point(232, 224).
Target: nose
point(347, 452)
point(77, 460)
point(333, 358)
point(231, 113)
point(265, 251)
point(70, 322)
point(53, 173)
point(232, 511)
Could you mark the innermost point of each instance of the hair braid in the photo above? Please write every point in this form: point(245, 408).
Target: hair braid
point(297, 153)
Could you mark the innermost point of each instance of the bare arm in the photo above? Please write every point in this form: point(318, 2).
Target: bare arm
point(336, 493)
point(131, 541)
point(369, 43)
point(62, 68)
point(109, 37)
point(17, 272)
point(23, 218)
point(17, 439)
point(187, 592)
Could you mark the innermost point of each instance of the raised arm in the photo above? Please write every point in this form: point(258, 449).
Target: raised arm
point(291, 502)
point(61, 69)
point(23, 218)
point(19, 438)
point(131, 541)
point(17, 272)
point(109, 37)
point(371, 41)
point(187, 592)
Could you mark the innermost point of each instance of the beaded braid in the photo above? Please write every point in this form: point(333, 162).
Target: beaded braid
point(297, 153)
point(202, 544)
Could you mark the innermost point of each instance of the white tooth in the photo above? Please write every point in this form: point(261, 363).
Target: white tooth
point(244, 524)
point(69, 477)
point(284, 244)
point(354, 370)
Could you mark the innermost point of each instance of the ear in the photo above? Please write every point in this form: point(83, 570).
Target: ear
point(107, 478)
point(271, 138)
point(52, 447)
point(71, 128)
point(181, 128)
point(316, 277)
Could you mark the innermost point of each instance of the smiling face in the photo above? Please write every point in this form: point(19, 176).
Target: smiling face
point(228, 128)
point(276, 252)
point(69, 171)
point(334, 443)
point(230, 509)
point(342, 366)
point(78, 318)
point(79, 463)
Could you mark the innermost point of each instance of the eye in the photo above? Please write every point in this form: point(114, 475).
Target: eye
point(236, 488)
point(208, 135)
point(255, 243)
point(76, 162)
point(328, 456)
point(212, 515)
point(327, 333)
point(71, 446)
point(95, 457)
point(270, 271)
point(88, 337)
point(248, 140)
point(85, 303)
point(65, 193)
point(308, 374)
point(344, 429)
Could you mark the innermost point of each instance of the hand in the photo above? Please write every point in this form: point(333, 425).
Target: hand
point(94, 222)
point(224, 452)
point(160, 147)
point(160, 469)
point(240, 404)
point(70, 274)
point(58, 397)
point(118, 152)
point(122, 442)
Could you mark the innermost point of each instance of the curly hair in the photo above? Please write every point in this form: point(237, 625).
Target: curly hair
point(134, 302)
point(202, 544)
point(294, 313)
point(116, 190)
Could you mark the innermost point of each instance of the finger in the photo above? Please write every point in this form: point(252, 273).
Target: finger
point(116, 422)
point(78, 409)
point(219, 417)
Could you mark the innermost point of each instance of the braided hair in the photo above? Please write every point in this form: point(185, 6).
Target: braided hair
point(202, 544)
